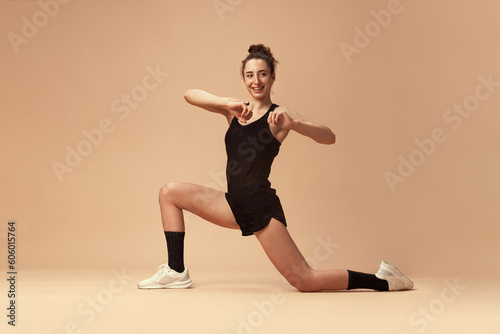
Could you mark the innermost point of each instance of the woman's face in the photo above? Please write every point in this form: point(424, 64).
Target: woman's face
point(258, 78)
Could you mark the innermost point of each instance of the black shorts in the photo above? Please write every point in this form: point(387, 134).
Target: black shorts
point(251, 221)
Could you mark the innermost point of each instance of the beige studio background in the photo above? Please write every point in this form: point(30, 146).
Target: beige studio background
point(392, 94)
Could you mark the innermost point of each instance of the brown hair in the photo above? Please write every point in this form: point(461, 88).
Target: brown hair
point(260, 51)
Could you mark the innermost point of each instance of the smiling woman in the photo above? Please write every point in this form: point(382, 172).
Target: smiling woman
point(259, 51)
point(257, 129)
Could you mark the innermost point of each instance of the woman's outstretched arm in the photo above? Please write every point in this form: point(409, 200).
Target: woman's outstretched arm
point(222, 105)
point(320, 133)
point(286, 119)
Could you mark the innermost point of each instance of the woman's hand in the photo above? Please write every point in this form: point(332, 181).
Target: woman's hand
point(281, 118)
point(240, 110)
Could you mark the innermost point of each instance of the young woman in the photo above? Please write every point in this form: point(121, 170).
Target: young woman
point(256, 131)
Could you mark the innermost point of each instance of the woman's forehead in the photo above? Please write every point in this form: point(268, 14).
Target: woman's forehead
point(256, 65)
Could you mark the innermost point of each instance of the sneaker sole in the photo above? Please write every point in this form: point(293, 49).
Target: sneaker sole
point(395, 272)
point(173, 285)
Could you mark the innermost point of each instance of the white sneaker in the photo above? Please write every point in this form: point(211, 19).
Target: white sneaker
point(396, 280)
point(167, 278)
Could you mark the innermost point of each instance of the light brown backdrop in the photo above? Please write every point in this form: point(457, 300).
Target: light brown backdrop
point(66, 77)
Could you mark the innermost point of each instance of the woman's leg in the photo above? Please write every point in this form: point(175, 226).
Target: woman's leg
point(207, 203)
point(286, 257)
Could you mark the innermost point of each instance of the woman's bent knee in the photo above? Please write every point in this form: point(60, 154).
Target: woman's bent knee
point(306, 286)
point(186, 196)
point(167, 191)
point(302, 280)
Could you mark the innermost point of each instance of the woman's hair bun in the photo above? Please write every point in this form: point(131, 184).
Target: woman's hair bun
point(260, 48)
point(260, 51)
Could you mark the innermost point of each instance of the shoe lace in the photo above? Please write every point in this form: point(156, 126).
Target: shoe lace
point(162, 269)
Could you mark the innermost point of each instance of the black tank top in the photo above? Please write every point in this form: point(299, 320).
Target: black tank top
point(251, 150)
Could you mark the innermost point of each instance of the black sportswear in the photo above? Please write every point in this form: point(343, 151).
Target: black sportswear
point(251, 150)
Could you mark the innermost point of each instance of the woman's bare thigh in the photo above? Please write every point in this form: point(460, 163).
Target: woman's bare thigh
point(207, 203)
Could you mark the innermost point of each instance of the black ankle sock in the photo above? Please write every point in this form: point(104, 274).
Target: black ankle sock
point(359, 280)
point(175, 249)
